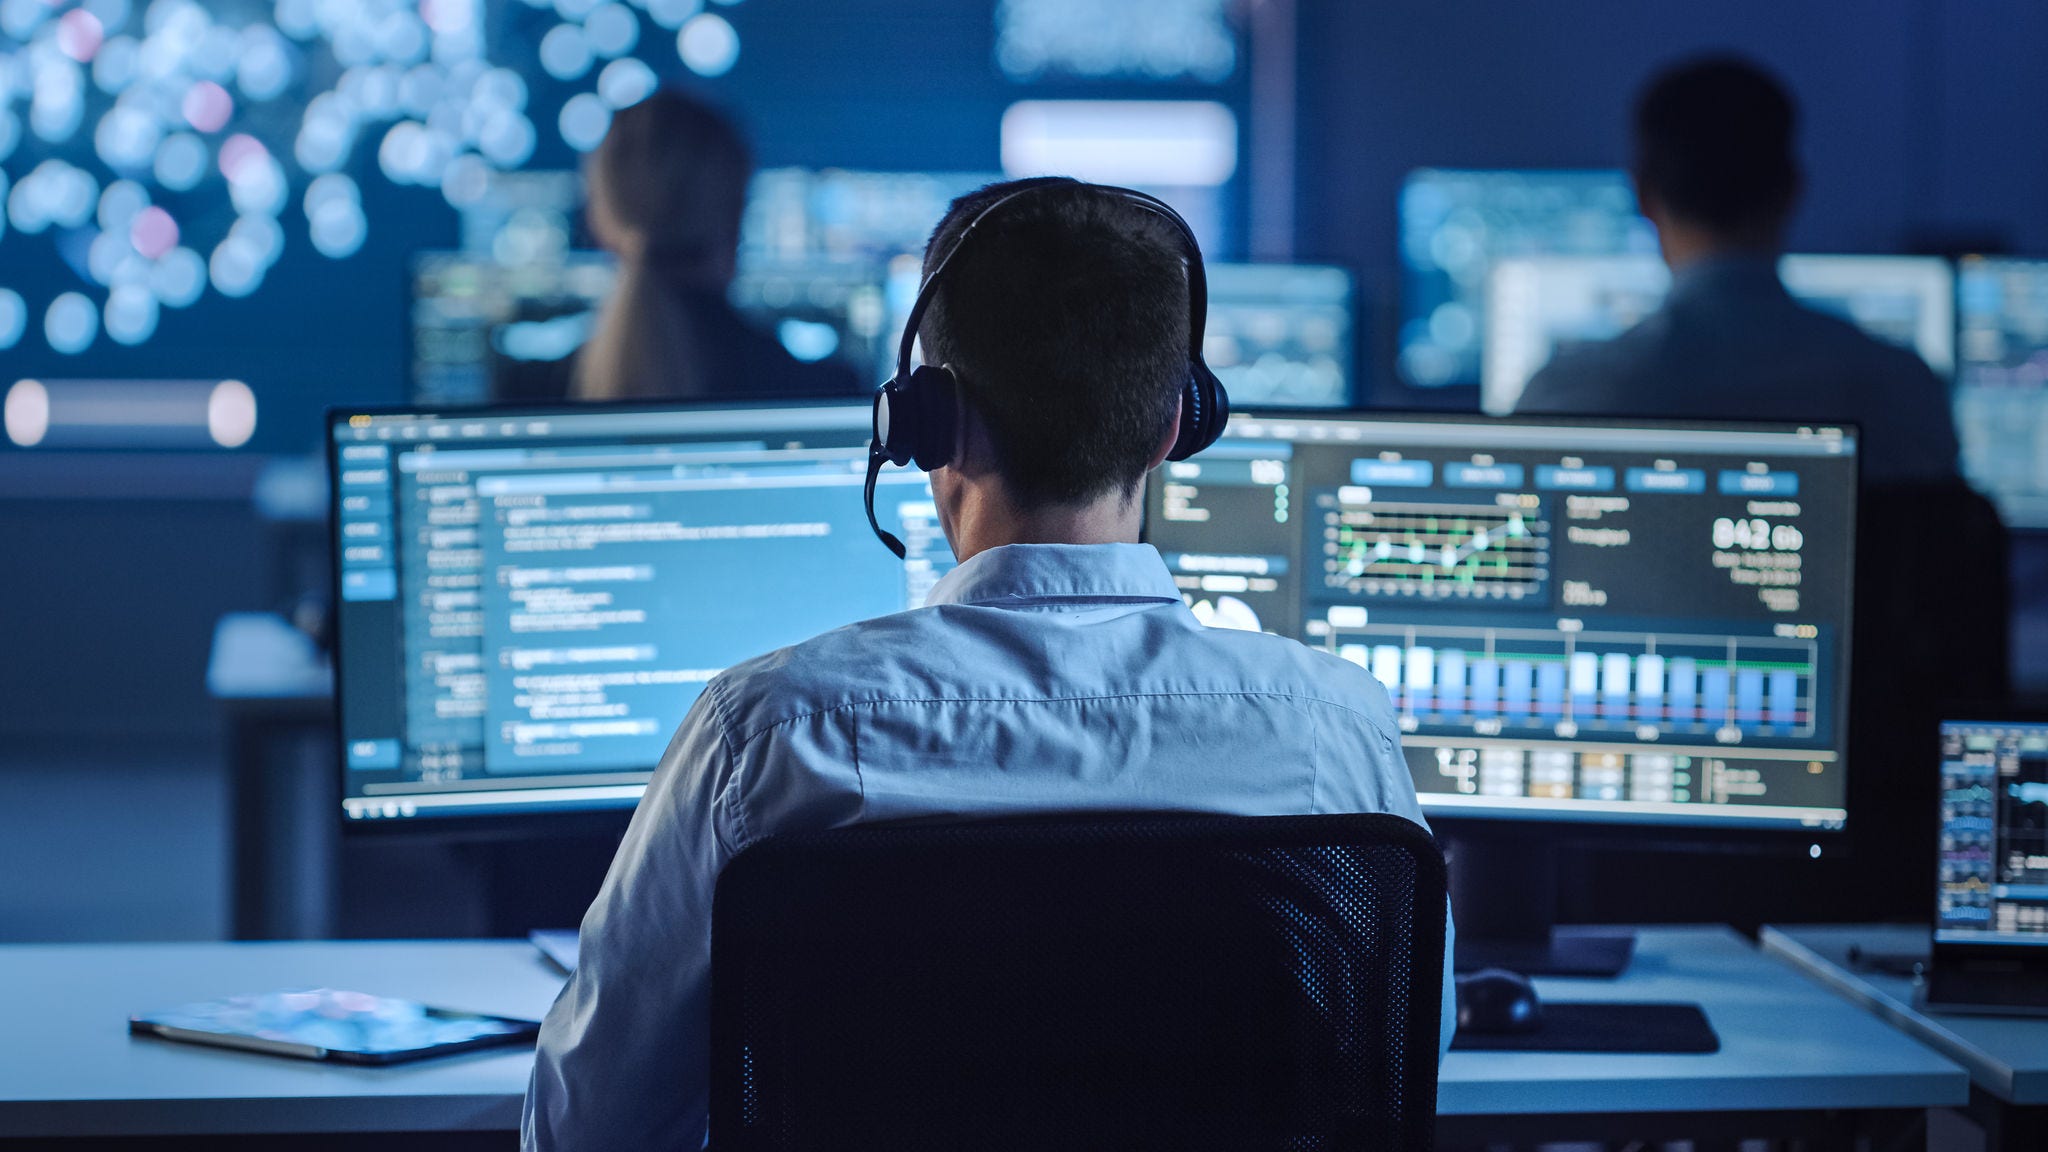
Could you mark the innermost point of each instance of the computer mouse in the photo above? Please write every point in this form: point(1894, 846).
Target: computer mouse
point(1494, 1001)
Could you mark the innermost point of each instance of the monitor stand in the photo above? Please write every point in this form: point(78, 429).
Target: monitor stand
point(1504, 899)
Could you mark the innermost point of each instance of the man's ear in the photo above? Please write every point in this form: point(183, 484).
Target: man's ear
point(1164, 448)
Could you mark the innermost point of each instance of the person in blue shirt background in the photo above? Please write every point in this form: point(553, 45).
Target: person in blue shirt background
point(1715, 170)
point(1056, 669)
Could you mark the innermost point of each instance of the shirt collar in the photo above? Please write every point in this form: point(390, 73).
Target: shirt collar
point(1735, 274)
point(1024, 572)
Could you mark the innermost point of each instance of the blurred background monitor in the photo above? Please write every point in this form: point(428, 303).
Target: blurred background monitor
point(1282, 334)
point(1909, 301)
point(484, 329)
point(1455, 224)
point(817, 255)
point(2002, 384)
point(797, 214)
point(1537, 305)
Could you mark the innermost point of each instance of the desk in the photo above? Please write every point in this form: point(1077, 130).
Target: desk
point(71, 1068)
point(276, 692)
point(2007, 1057)
point(1789, 1049)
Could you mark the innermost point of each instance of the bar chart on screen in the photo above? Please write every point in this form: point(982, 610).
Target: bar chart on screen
point(1570, 682)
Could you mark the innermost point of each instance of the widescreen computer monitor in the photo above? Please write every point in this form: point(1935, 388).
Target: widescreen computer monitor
point(530, 600)
point(1281, 335)
point(487, 330)
point(1537, 305)
point(1993, 883)
point(1454, 224)
point(2001, 398)
point(1591, 621)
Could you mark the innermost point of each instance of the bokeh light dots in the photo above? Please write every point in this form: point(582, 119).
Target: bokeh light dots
point(164, 95)
point(71, 323)
point(13, 318)
point(708, 45)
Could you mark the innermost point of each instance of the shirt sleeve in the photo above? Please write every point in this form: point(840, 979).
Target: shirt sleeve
point(623, 1059)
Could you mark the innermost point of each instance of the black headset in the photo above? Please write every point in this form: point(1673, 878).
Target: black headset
point(917, 412)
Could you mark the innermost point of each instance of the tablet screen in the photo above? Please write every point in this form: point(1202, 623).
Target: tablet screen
point(338, 1021)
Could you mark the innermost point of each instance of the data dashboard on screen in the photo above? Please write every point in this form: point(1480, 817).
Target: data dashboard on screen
point(2001, 398)
point(531, 600)
point(1596, 621)
point(1538, 305)
point(1994, 833)
point(1455, 223)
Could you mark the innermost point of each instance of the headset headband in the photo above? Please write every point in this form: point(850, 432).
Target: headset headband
point(1198, 277)
point(916, 410)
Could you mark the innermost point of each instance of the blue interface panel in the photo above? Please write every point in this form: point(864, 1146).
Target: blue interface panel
point(1994, 833)
point(1456, 223)
point(2002, 384)
point(532, 600)
point(1590, 621)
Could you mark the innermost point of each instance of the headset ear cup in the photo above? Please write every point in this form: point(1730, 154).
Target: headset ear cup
point(936, 416)
point(1204, 410)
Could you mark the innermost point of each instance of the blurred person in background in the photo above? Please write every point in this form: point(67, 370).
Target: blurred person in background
point(667, 188)
point(1715, 171)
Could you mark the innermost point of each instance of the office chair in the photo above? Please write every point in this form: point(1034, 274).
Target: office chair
point(1126, 982)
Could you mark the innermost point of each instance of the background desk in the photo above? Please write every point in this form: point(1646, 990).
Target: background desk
point(1791, 1050)
point(70, 1067)
point(2007, 1056)
point(1794, 1059)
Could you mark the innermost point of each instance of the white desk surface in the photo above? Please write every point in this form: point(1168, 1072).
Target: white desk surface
point(1786, 1043)
point(2006, 1055)
point(72, 1069)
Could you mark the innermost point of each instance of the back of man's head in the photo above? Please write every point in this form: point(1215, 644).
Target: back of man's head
point(1065, 320)
point(1714, 142)
point(669, 180)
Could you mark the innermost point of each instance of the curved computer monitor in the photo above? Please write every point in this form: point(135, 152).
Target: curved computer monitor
point(1590, 621)
point(530, 600)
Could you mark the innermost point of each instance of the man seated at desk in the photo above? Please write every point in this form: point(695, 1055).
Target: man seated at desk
point(1714, 170)
point(1056, 669)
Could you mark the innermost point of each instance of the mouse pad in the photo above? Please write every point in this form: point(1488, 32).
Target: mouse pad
point(1605, 1028)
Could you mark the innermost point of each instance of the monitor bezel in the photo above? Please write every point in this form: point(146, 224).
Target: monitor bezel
point(515, 822)
point(2033, 957)
point(1673, 835)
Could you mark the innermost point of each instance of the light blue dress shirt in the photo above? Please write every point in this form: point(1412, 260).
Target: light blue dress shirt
point(1037, 678)
point(1731, 344)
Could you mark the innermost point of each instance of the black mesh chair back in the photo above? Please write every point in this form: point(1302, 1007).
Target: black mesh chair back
point(1131, 983)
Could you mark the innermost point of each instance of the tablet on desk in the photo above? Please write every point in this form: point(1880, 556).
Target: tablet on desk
point(327, 1024)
